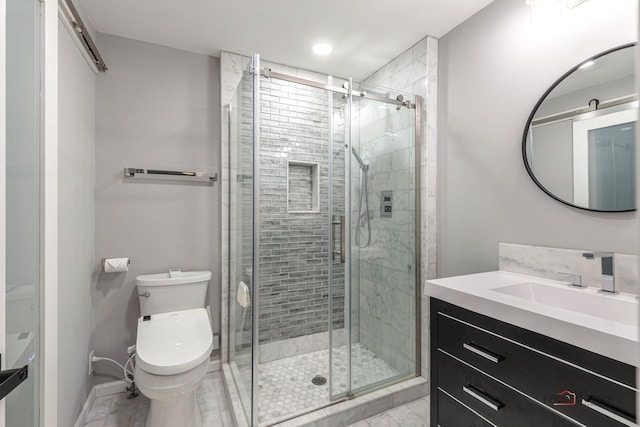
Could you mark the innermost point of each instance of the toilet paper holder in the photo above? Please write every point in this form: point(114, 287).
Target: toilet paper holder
point(104, 262)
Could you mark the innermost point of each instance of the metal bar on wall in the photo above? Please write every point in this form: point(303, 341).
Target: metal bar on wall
point(166, 174)
point(83, 34)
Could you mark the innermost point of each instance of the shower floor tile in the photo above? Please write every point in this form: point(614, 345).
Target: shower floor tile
point(285, 386)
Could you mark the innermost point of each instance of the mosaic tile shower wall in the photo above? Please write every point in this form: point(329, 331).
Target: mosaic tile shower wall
point(294, 246)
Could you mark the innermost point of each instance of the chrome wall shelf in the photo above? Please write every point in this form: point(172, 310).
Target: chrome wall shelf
point(164, 174)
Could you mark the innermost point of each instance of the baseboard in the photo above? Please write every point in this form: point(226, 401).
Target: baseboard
point(214, 365)
point(112, 387)
point(84, 413)
point(100, 390)
point(115, 387)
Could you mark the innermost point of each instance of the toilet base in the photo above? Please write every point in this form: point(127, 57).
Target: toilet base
point(184, 412)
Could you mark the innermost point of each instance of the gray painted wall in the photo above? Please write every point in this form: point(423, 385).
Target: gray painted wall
point(493, 68)
point(156, 107)
point(76, 231)
point(550, 155)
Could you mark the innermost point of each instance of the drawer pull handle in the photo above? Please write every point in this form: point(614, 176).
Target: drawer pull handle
point(478, 395)
point(482, 352)
point(608, 412)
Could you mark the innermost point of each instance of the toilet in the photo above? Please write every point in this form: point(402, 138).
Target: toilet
point(173, 345)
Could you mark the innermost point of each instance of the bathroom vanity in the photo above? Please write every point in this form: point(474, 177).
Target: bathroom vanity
point(506, 351)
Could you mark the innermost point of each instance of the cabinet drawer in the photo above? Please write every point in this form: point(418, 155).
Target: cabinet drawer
point(453, 414)
point(618, 371)
point(554, 383)
point(494, 401)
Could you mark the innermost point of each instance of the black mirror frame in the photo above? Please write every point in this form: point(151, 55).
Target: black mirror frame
point(530, 119)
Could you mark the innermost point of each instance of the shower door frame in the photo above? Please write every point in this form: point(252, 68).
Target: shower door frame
point(255, 67)
point(417, 105)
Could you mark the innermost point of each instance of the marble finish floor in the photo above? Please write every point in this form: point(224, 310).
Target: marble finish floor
point(412, 414)
point(118, 411)
point(285, 386)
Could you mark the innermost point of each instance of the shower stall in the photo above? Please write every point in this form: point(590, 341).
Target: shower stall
point(323, 242)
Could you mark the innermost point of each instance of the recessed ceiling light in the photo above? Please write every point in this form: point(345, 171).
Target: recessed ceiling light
point(586, 65)
point(322, 48)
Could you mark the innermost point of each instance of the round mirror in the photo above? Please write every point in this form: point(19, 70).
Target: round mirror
point(579, 142)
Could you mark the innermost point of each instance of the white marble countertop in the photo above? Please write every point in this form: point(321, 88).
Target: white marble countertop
point(475, 292)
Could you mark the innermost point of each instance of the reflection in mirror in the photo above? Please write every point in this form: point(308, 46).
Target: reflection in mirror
point(579, 142)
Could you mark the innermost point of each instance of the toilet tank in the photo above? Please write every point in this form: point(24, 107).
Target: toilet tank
point(164, 292)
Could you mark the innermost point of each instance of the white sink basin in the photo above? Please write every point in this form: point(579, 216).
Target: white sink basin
point(601, 323)
point(616, 308)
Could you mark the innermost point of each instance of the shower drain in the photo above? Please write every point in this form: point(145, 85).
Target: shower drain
point(319, 380)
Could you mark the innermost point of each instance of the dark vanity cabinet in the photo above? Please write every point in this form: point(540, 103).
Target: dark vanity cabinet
point(485, 372)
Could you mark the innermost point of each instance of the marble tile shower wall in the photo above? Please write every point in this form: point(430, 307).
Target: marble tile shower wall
point(414, 71)
point(294, 246)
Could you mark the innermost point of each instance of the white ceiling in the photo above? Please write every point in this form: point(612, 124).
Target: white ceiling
point(366, 34)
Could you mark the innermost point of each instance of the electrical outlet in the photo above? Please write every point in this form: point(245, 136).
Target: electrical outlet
point(91, 362)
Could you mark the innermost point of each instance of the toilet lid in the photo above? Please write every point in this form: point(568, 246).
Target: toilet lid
point(173, 343)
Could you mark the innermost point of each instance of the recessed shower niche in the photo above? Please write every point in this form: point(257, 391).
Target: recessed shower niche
point(302, 187)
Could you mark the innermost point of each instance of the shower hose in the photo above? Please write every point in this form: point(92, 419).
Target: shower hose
point(363, 214)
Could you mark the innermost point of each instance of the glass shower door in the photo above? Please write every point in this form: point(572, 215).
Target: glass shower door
point(373, 178)
point(22, 208)
point(383, 240)
point(241, 240)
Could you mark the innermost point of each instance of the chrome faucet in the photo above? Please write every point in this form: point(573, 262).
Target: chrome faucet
point(607, 280)
point(574, 280)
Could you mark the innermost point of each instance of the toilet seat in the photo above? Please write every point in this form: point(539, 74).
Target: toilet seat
point(173, 343)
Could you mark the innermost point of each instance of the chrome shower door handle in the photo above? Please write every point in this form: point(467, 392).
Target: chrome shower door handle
point(342, 252)
point(335, 252)
point(332, 240)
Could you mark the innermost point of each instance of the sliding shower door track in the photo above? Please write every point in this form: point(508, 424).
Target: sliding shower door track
point(267, 72)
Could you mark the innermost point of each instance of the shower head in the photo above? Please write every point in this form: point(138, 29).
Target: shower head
point(359, 159)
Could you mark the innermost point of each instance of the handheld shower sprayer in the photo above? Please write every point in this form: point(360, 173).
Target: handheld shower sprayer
point(363, 230)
